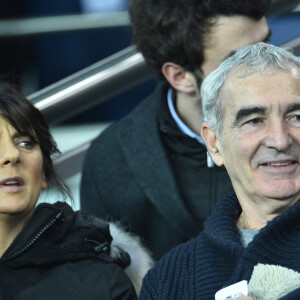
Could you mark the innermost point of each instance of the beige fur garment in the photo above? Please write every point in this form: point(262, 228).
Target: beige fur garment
point(271, 282)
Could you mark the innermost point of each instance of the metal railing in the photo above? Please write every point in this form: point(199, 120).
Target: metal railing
point(79, 22)
point(294, 44)
point(280, 7)
point(64, 164)
point(55, 24)
point(91, 86)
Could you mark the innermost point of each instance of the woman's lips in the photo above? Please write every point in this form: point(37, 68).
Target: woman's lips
point(12, 184)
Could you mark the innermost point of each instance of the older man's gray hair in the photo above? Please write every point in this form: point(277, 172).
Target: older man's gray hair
point(247, 60)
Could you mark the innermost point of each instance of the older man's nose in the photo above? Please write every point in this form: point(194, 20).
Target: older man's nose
point(277, 136)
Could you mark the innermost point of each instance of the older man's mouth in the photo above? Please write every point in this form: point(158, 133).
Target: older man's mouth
point(280, 165)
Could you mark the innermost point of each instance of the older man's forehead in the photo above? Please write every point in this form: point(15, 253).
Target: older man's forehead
point(255, 93)
point(244, 77)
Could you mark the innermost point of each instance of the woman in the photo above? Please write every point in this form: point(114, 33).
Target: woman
point(47, 252)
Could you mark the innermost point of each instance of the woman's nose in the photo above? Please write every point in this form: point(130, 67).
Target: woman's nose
point(9, 154)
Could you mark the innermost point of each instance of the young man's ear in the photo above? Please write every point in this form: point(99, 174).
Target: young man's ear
point(180, 79)
point(212, 144)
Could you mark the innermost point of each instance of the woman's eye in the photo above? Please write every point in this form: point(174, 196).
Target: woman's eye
point(27, 144)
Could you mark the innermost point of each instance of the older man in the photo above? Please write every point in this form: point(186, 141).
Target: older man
point(251, 107)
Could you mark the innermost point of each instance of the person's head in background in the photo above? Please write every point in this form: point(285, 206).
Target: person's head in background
point(183, 41)
point(26, 149)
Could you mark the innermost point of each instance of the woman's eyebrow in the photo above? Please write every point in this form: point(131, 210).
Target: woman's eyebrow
point(18, 134)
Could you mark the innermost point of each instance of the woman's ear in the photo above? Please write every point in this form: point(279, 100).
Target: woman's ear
point(180, 79)
point(212, 143)
point(44, 182)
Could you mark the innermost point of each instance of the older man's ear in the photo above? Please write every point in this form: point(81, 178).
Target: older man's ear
point(212, 144)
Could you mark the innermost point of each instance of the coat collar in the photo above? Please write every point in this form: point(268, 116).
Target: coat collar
point(145, 154)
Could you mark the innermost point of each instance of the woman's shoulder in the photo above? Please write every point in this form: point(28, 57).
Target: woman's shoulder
point(92, 277)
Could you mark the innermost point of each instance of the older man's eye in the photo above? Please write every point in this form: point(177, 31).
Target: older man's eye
point(254, 121)
point(295, 119)
point(27, 144)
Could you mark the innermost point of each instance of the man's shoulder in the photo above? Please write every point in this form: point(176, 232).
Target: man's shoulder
point(143, 116)
point(147, 109)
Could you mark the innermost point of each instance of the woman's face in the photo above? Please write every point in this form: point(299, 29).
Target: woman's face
point(21, 172)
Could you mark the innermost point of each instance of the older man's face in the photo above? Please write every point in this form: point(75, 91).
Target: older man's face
point(260, 144)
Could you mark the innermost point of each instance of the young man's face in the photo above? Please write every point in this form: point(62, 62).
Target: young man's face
point(229, 34)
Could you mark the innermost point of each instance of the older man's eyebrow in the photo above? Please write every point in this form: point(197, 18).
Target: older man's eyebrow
point(245, 112)
point(292, 107)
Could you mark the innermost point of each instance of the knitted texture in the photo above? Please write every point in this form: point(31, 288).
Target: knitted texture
point(216, 258)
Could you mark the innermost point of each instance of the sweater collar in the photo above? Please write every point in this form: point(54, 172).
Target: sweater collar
point(278, 237)
point(222, 222)
point(221, 225)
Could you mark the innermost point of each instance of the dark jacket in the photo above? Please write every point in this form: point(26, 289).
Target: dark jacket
point(127, 176)
point(62, 255)
point(294, 295)
point(216, 258)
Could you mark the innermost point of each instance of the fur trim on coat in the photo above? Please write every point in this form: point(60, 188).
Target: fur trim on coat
point(140, 258)
point(270, 282)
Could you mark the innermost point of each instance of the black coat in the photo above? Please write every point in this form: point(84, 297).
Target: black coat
point(127, 176)
point(62, 255)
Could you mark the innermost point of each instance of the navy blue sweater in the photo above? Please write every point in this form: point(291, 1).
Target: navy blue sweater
point(216, 258)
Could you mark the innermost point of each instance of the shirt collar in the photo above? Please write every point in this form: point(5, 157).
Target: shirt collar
point(183, 128)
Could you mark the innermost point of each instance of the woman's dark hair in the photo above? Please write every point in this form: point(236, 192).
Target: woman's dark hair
point(173, 30)
point(29, 121)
